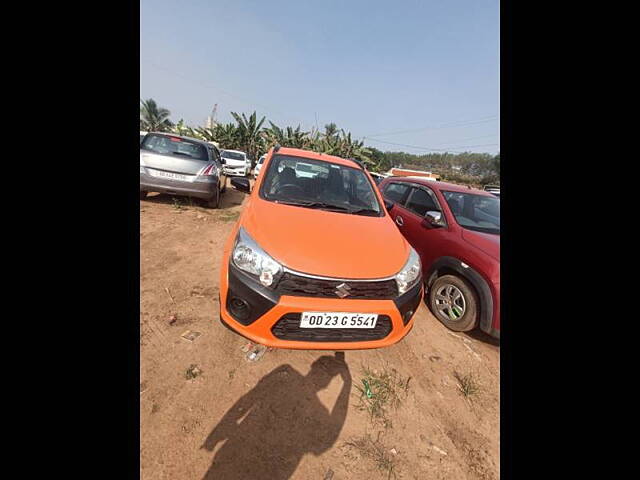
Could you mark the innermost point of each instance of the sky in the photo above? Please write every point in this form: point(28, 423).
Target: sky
point(417, 76)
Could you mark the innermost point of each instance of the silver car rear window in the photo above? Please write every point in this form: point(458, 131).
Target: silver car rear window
point(167, 145)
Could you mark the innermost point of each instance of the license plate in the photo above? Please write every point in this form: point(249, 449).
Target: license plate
point(173, 176)
point(338, 320)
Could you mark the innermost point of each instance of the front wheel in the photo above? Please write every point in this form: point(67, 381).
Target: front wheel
point(454, 302)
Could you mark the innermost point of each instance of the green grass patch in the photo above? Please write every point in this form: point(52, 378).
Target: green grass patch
point(381, 391)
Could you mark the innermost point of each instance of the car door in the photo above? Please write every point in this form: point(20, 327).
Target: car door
point(429, 242)
point(215, 154)
point(397, 192)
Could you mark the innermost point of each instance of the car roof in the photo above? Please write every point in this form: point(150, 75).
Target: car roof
point(323, 157)
point(234, 151)
point(452, 187)
point(196, 140)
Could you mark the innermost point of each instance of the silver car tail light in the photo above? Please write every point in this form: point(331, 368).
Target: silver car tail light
point(210, 170)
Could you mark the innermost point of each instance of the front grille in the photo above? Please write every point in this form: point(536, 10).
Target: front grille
point(297, 285)
point(288, 328)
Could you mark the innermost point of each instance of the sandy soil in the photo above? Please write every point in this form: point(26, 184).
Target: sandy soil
point(285, 416)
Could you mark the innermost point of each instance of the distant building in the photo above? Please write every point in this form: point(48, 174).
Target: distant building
point(405, 172)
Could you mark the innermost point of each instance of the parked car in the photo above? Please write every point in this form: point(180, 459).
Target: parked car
point(296, 269)
point(305, 170)
point(142, 134)
point(495, 189)
point(181, 166)
point(236, 162)
point(377, 177)
point(258, 166)
point(456, 231)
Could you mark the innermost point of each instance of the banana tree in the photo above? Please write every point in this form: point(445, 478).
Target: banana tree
point(249, 134)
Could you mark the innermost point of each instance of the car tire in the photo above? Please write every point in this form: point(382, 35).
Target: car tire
point(143, 194)
point(454, 302)
point(214, 201)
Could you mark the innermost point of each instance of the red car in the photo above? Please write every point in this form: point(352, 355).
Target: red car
point(456, 232)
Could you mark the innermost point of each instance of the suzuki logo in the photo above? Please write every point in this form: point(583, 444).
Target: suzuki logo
point(342, 290)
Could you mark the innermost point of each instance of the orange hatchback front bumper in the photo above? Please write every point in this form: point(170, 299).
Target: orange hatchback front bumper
point(273, 319)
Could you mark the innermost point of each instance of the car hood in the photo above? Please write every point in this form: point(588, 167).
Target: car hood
point(234, 163)
point(324, 243)
point(487, 242)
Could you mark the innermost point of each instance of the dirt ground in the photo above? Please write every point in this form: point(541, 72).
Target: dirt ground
point(207, 412)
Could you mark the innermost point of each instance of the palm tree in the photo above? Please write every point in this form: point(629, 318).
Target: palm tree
point(153, 118)
point(181, 129)
point(226, 135)
point(287, 137)
point(249, 134)
point(330, 130)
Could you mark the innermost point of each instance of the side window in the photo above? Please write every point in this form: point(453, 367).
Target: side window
point(395, 191)
point(216, 155)
point(420, 202)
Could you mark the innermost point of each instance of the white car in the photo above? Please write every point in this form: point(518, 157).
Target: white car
point(494, 189)
point(142, 135)
point(235, 163)
point(258, 166)
point(304, 170)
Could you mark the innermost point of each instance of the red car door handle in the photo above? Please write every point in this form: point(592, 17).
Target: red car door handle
point(399, 220)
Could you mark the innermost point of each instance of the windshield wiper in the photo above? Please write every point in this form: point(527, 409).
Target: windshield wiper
point(364, 211)
point(181, 153)
point(321, 205)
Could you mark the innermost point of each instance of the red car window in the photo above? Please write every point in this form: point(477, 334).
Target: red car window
point(420, 202)
point(396, 192)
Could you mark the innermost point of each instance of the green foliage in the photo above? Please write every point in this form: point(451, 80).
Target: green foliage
point(249, 135)
point(154, 118)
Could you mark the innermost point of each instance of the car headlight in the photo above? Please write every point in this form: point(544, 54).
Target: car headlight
point(250, 258)
point(410, 273)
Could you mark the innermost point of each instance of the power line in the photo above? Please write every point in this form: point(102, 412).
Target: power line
point(433, 149)
point(459, 123)
point(472, 138)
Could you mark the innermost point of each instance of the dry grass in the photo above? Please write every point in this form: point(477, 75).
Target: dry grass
point(380, 391)
point(375, 450)
point(467, 384)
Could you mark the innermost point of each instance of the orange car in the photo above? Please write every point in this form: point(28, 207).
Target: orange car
point(315, 261)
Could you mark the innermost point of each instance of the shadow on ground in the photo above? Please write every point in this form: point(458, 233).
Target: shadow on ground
point(268, 430)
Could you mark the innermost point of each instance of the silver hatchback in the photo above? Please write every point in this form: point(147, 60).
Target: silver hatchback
point(179, 165)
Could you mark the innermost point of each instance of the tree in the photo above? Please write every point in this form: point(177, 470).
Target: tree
point(287, 137)
point(154, 118)
point(249, 135)
point(226, 135)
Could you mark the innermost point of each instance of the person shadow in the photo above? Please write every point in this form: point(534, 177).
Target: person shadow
point(270, 428)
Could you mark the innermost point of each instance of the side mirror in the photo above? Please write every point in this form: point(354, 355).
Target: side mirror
point(433, 219)
point(223, 161)
point(241, 184)
point(388, 205)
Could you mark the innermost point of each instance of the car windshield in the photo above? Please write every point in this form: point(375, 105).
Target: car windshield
point(166, 145)
point(475, 212)
point(232, 155)
point(316, 184)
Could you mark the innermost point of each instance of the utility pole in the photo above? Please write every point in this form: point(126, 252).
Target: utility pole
point(211, 119)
